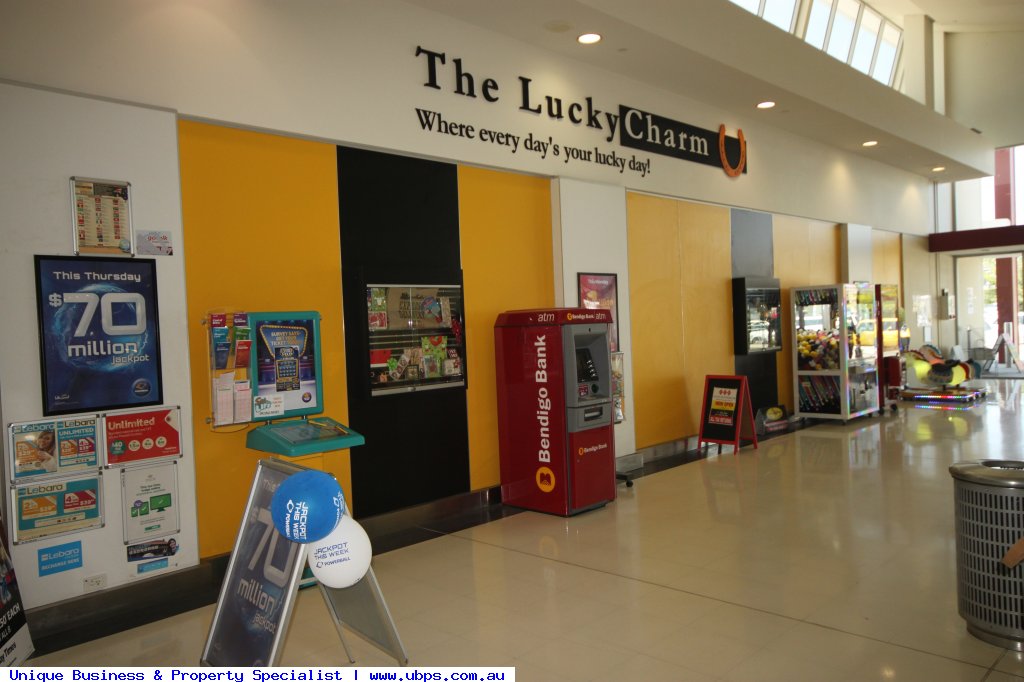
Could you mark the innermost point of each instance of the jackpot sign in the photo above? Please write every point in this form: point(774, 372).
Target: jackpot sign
point(99, 333)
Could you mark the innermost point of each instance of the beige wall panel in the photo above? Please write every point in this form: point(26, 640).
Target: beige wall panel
point(655, 300)
point(806, 253)
point(886, 258)
point(705, 239)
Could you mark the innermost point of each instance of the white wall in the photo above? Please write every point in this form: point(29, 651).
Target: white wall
point(590, 221)
point(46, 138)
point(347, 71)
point(984, 88)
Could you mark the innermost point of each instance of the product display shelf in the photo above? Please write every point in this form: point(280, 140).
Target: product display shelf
point(835, 374)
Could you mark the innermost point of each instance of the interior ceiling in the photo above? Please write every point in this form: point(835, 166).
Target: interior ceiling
point(715, 52)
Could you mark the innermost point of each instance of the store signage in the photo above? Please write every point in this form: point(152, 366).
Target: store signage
point(60, 558)
point(142, 435)
point(632, 127)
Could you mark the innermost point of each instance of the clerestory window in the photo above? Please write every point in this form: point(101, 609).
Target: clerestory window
point(848, 30)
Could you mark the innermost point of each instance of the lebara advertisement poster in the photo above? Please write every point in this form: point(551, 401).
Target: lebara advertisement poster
point(100, 341)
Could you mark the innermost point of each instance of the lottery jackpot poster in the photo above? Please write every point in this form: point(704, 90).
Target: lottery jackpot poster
point(99, 335)
point(258, 591)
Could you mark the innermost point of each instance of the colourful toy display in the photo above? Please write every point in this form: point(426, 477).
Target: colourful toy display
point(817, 349)
point(928, 367)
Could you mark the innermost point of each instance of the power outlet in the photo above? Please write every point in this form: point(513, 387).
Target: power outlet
point(94, 582)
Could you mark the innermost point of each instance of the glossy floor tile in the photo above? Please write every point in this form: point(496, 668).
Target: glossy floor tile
point(825, 554)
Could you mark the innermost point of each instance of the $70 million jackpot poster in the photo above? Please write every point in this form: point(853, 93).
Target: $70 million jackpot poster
point(100, 341)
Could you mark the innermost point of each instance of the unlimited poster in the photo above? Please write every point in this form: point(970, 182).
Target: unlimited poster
point(142, 435)
point(100, 340)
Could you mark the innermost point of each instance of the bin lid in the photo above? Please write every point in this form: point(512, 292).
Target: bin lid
point(1001, 473)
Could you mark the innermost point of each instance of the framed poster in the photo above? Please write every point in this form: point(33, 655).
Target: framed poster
point(102, 217)
point(149, 497)
point(57, 507)
point(98, 333)
point(284, 370)
point(51, 447)
point(141, 435)
point(601, 291)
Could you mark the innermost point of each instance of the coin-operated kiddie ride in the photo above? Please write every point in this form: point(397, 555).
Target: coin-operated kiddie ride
point(555, 428)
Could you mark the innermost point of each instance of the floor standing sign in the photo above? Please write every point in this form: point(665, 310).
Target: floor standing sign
point(262, 580)
point(726, 415)
point(15, 641)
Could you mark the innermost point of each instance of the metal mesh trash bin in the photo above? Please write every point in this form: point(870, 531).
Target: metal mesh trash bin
point(989, 498)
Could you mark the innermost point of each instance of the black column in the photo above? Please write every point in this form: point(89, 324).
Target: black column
point(399, 225)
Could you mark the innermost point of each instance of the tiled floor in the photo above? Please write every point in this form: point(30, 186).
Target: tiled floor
point(827, 554)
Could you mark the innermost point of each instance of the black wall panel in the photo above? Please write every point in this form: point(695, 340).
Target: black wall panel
point(753, 256)
point(399, 225)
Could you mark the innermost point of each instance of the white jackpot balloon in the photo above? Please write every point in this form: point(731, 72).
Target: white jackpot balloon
point(343, 557)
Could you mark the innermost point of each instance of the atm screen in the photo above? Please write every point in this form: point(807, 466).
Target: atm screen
point(586, 372)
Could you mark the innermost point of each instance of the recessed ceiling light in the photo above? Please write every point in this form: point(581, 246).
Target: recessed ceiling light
point(938, 169)
point(767, 104)
point(589, 38)
point(869, 143)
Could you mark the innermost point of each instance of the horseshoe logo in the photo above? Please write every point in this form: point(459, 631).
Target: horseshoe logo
point(732, 171)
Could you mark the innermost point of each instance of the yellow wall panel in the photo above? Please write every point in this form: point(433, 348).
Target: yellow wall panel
point(505, 229)
point(886, 258)
point(705, 239)
point(807, 252)
point(655, 300)
point(260, 217)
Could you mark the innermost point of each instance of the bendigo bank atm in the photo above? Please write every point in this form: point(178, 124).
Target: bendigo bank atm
point(555, 428)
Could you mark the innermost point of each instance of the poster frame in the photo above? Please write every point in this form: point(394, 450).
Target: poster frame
point(256, 322)
point(56, 426)
point(174, 526)
point(118, 187)
point(50, 371)
point(110, 460)
point(585, 283)
point(20, 537)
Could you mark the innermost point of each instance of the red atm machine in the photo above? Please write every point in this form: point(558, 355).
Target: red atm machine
point(555, 428)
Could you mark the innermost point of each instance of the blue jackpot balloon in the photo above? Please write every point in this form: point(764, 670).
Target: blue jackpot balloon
point(307, 506)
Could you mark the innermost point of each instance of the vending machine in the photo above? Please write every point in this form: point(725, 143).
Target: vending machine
point(556, 438)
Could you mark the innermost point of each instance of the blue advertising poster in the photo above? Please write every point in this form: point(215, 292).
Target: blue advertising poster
point(100, 341)
point(259, 588)
point(60, 558)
